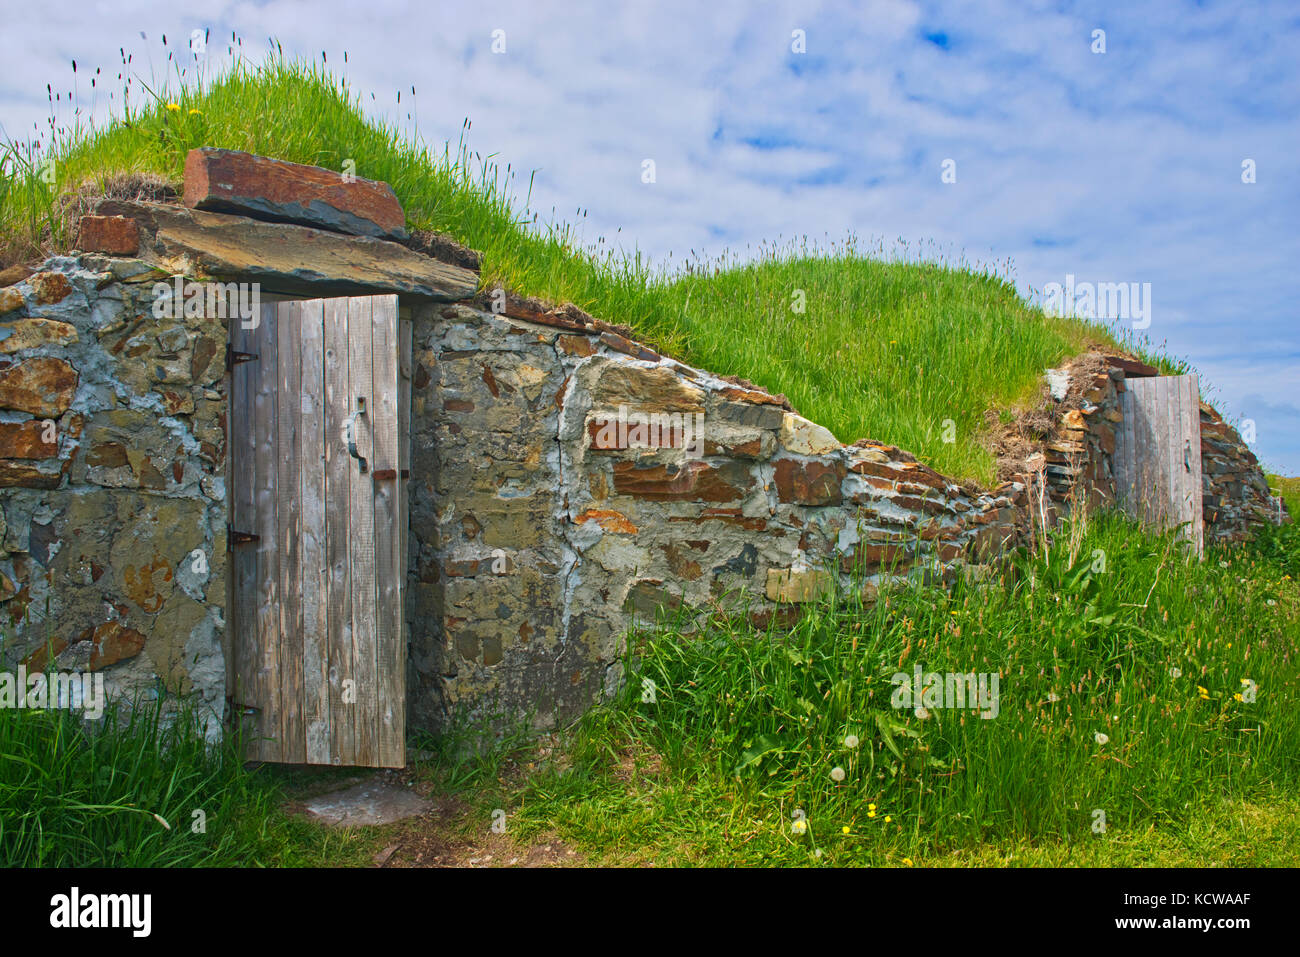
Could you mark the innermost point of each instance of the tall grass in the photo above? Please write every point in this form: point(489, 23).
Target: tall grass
point(1127, 674)
point(887, 344)
point(133, 792)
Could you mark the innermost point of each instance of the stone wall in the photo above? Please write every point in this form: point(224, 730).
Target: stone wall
point(113, 551)
point(541, 530)
point(1236, 492)
point(566, 481)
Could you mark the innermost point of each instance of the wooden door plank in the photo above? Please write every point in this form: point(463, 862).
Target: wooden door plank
point(289, 531)
point(1191, 409)
point(314, 561)
point(1177, 467)
point(361, 562)
point(264, 687)
point(406, 357)
point(338, 466)
point(1171, 450)
point(388, 564)
point(241, 482)
point(1120, 461)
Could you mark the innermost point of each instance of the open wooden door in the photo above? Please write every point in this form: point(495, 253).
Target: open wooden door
point(318, 513)
point(1158, 454)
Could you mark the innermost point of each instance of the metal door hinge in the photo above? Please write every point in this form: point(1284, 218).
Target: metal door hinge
point(233, 357)
point(234, 538)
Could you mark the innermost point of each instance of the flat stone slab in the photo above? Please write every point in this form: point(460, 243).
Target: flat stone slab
point(283, 258)
point(365, 805)
point(230, 181)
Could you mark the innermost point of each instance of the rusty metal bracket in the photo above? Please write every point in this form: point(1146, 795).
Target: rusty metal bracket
point(233, 357)
point(234, 538)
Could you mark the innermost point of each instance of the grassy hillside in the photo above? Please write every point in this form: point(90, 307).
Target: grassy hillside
point(882, 348)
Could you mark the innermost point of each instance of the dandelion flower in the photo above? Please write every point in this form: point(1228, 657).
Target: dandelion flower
point(1053, 697)
point(922, 713)
point(799, 826)
point(194, 112)
point(174, 107)
point(1238, 697)
point(845, 829)
point(871, 814)
point(1175, 672)
point(871, 807)
point(1101, 738)
point(1201, 690)
point(907, 861)
point(851, 741)
point(888, 818)
point(837, 774)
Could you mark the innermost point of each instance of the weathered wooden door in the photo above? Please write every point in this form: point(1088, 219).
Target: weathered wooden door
point(1158, 454)
point(318, 513)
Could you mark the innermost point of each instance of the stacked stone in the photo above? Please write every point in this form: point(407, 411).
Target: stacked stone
point(1079, 456)
point(542, 535)
point(112, 471)
point(1236, 494)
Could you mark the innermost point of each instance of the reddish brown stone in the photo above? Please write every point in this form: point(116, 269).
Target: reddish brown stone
point(607, 519)
point(115, 235)
point(867, 557)
point(1132, 367)
point(42, 387)
point(809, 483)
point(49, 287)
point(233, 182)
point(111, 642)
point(606, 435)
point(628, 347)
point(576, 346)
point(753, 449)
point(458, 405)
point(12, 274)
point(491, 382)
point(754, 397)
point(19, 475)
point(729, 516)
point(879, 469)
point(25, 440)
point(693, 482)
point(931, 505)
point(114, 642)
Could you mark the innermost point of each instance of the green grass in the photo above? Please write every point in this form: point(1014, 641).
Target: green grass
point(134, 791)
point(889, 345)
point(1152, 652)
point(1289, 489)
point(1110, 631)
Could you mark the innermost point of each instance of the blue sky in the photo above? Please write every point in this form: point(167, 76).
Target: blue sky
point(1122, 166)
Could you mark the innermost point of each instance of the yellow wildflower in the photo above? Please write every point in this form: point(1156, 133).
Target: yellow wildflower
point(174, 107)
